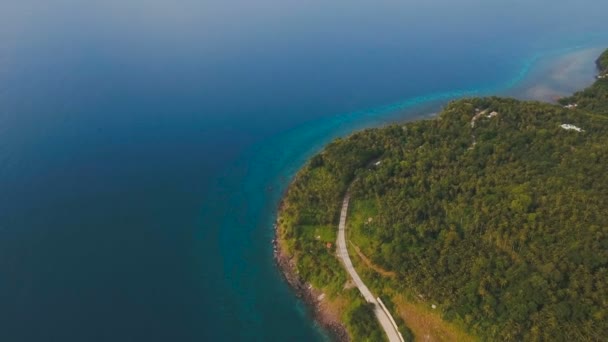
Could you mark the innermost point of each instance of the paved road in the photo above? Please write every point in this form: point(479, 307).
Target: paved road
point(382, 315)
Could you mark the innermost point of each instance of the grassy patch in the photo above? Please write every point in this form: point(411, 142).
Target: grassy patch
point(322, 233)
point(362, 218)
point(427, 325)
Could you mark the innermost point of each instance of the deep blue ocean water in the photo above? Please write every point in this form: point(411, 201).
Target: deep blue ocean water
point(145, 144)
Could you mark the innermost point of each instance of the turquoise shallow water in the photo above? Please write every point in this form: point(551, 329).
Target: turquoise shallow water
point(266, 169)
point(144, 146)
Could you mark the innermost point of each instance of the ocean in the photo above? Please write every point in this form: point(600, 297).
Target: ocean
point(145, 145)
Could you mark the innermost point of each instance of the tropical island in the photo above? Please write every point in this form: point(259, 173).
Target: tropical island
point(488, 222)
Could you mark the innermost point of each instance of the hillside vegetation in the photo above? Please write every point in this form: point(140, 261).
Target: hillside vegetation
point(602, 62)
point(493, 211)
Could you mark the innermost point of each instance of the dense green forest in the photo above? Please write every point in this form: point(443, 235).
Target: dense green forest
point(493, 211)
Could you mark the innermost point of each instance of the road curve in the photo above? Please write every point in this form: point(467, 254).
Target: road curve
point(383, 316)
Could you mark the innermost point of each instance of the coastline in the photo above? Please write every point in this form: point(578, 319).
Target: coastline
point(312, 298)
point(558, 76)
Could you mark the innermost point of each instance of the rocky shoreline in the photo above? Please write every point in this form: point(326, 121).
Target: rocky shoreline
point(312, 297)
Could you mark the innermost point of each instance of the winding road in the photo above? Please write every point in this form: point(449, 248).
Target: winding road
point(382, 314)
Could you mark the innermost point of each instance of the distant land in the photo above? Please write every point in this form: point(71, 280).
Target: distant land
point(487, 222)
